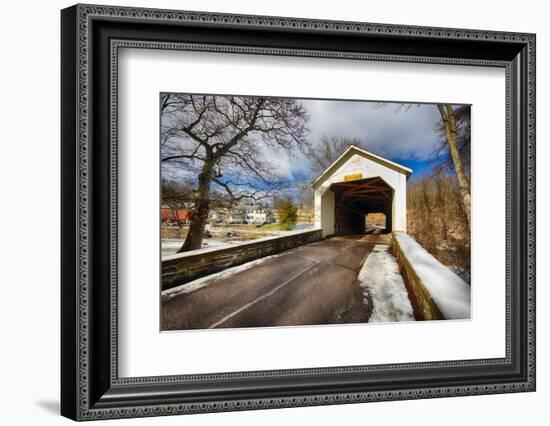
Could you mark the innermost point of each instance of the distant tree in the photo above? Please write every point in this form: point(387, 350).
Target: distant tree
point(329, 149)
point(436, 219)
point(305, 196)
point(176, 195)
point(225, 142)
point(288, 213)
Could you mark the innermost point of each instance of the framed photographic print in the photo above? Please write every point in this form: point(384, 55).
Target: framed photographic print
point(263, 212)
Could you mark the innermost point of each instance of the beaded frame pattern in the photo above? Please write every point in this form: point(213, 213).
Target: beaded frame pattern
point(86, 12)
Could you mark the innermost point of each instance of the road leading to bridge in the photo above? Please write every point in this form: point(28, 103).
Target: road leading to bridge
point(312, 284)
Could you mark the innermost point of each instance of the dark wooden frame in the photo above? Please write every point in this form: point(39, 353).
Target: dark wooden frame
point(90, 386)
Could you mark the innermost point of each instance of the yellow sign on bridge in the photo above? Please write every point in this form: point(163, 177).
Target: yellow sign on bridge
point(356, 176)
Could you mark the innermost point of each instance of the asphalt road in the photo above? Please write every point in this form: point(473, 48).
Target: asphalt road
point(311, 284)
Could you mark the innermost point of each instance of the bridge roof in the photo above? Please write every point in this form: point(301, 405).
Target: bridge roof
point(352, 150)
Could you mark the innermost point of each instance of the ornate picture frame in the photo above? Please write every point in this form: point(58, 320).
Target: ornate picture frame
point(91, 38)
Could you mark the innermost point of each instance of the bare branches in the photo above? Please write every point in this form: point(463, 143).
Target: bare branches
point(229, 138)
point(450, 130)
point(329, 150)
point(437, 220)
point(177, 195)
point(233, 131)
point(191, 156)
point(441, 153)
point(170, 103)
point(236, 196)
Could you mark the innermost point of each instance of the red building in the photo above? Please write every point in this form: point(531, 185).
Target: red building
point(178, 216)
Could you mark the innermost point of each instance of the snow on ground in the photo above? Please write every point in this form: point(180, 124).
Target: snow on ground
point(383, 285)
point(300, 227)
point(169, 246)
point(209, 279)
point(450, 293)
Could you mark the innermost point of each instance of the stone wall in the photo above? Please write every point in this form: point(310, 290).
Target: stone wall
point(185, 267)
point(435, 290)
point(423, 305)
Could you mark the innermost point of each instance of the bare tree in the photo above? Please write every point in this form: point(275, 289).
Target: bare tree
point(305, 196)
point(225, 142)
point(463, 127)
point(328, 150)
point(451, 132)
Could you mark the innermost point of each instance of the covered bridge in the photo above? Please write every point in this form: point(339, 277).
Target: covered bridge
point(356, 184)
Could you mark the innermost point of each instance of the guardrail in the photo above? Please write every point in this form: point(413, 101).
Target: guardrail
point(439, 293)
point(181, 268)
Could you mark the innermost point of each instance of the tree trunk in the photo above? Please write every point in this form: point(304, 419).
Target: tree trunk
point(449, 122)
point(201, 201)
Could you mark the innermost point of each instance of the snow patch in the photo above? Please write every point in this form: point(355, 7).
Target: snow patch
point(449, 292)
point(383, 284)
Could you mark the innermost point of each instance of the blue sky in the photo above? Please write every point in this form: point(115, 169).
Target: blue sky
point(420, 167)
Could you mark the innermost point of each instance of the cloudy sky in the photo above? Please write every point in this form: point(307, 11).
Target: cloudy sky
point(402, 133)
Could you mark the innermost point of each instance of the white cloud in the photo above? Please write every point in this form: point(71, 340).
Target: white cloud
point(392, 130)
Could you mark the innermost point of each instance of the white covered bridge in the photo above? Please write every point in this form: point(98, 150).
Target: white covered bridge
point(356, 184)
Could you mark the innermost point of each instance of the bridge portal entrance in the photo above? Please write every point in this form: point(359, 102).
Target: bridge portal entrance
point(353, 201)
point(357, 184)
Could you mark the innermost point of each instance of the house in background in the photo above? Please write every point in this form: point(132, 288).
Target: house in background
point(242, 214)
point(256, 214)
